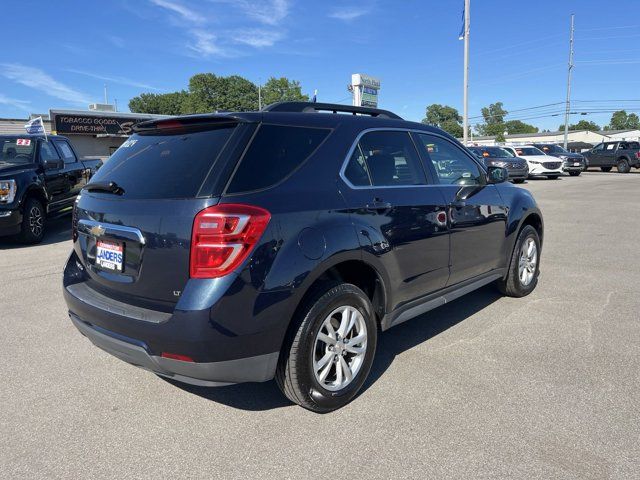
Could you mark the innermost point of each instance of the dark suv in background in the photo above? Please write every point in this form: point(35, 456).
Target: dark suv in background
point(239, 247)
point(518, 168)
point(622, 155)
point(572, 163)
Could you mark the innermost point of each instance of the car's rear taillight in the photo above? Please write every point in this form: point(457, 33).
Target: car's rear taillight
point(223, 236)
point(638, 154)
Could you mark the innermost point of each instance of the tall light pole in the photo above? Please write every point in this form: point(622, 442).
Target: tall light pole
point(259, 94)
point(568, 102)
point(465, 96)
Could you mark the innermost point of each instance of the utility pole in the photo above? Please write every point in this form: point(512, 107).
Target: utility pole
point(106, 97)
point(568, 102)
point(465, 99)
point(259, 94)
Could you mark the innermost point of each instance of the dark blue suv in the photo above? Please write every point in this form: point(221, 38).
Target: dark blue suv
point(239, 247)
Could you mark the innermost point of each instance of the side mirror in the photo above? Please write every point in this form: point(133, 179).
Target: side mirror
point(52, 164)
point(497, 174)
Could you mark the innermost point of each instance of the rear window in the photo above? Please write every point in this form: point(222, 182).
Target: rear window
point(275, 152)
point(164, 166)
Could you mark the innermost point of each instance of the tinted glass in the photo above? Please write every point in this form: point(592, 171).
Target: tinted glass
point(275, 152)
point(496, 152)
point(164, 166)
point(599, 147)
point(450, 163)
point(356, 171)
point(551, 148)
point(48, 152)
point(16, 150)
point(67, 153)
point(391, 159)
point(634, 145)
point(529, 151)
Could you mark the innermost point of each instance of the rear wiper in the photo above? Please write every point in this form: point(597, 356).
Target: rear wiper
point(108, 187)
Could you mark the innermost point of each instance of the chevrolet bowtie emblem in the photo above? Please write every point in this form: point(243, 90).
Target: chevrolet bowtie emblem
point(97, 230)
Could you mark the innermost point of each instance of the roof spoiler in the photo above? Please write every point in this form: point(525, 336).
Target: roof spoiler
point(188, 122)
point(309, 107)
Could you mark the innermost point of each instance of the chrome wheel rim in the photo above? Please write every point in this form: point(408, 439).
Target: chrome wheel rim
point(528, 262)
point(339, 348)
point(36, 221)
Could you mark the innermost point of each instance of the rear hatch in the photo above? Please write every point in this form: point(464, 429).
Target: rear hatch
point(133, 222)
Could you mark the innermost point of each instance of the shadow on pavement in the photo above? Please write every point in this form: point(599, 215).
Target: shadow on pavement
point(57, 230)
point(267, 396)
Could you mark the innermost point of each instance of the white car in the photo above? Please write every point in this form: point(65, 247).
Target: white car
point(540, 164)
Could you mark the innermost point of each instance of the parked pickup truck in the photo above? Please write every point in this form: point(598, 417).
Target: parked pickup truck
point(622, 155)
point(39, 178)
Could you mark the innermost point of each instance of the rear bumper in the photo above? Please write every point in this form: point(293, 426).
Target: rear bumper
point(225, 344)
point(10, 222)
point(252, 369)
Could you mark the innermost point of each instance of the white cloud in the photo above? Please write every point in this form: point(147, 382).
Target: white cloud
point(184, 12)
point(14, 102)
point(205, 43)
point(268, 12)
point(115, 79)
point(256, 37)
point(38, 80)
point(347, 14)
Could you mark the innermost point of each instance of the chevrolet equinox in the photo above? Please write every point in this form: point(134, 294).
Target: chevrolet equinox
point(241, 247)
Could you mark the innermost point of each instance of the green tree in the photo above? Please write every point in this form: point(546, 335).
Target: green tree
point(516, 126)
point(282, 90)
point(445, 117)
point(620, 120)
point(161, 104)
point(209, 92)
point(493, 116)
point(582, 125)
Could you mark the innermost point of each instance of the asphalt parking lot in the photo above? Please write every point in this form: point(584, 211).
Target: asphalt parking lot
point(542, 387)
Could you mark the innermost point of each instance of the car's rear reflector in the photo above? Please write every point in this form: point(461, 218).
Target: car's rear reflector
point(177, 356)
point(223, 236)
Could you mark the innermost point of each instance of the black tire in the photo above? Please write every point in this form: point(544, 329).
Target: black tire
point(33, 222)
point(605, 169)
point(575, 173)
point(295, 375)
point(512, 285)
point(623, 166)
point(518, 180)
point(553, 177)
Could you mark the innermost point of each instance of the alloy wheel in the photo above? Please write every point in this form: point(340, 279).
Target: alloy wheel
point(339, 348)
point(528, 261)
point(36, 221)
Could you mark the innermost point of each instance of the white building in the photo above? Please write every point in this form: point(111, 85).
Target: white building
point(579, 138)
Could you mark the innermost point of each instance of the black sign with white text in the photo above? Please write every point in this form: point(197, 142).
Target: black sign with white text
point(94, 125)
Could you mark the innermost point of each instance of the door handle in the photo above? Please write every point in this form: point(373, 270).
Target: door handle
point(378, 205)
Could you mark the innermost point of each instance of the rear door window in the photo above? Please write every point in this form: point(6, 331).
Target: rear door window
point(67, 153)
point(385, 159)
point(152, 166)
point(275, 152)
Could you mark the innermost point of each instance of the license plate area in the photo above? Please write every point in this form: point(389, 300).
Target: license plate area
point(110, 255)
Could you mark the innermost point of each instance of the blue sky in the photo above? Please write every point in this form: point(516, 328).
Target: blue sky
point(60, 54)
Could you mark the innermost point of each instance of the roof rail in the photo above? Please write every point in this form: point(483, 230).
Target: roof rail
point(305, 107)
